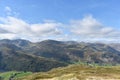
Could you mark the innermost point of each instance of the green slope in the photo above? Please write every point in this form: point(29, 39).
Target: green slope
point(13, 74)
point(78, 72)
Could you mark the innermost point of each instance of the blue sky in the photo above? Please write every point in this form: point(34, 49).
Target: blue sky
point(81, 20)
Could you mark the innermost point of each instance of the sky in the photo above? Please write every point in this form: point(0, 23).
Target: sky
point(65, 20)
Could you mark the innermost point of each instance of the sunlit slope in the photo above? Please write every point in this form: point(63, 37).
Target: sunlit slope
point(78, 72)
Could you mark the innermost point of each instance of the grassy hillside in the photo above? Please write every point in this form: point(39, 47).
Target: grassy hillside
point(13, 74)
point(78, 72)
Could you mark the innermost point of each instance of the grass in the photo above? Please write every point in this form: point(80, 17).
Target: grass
point(22, 74)
point(72, 72)
point(80, 72)
point(13, 74)
point(7, 75)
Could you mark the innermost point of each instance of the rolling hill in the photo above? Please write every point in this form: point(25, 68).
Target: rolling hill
point(77, 72)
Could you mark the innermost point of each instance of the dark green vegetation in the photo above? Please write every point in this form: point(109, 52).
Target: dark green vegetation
point(22, 55)
point(78, 72)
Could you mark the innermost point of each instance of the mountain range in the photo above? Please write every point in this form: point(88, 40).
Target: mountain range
point(23, 55)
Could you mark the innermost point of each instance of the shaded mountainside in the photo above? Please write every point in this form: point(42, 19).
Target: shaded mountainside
point(115, 46)
point(42, 56)
point(77, 72)
point(11, 58)
point(72, 51)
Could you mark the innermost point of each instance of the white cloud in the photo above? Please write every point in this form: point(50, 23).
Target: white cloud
point(7, 36)
point(90, 28)
point(86, 29)
point(8, 10)
point(3, 31)
point(17, 28)
point(48, 28)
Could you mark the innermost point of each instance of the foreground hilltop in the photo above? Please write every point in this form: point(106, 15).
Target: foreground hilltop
point(77, 72)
